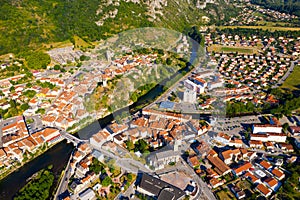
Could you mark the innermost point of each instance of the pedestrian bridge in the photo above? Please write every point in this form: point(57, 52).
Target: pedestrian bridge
point(69, 137)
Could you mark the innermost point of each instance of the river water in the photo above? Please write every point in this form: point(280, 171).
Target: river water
point(57, 156)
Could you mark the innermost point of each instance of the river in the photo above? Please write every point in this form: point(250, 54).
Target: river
point(57, 156)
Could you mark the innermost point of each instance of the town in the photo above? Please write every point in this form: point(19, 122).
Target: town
point(225, 126)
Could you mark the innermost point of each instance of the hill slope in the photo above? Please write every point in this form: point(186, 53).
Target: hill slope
point(27, 24)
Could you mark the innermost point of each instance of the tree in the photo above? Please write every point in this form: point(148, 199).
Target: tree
point(141, 146)
point(12, 89)
point(129, 145)
point(24, 106)
point(57, 67)
point(285, 126)
point(96, 166)
point(106, 181)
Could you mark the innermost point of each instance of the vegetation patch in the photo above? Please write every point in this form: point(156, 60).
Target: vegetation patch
point(38, 187)
point(293, 81)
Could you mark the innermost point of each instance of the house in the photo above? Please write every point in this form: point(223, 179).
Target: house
point(50, 135)
point(223, 138)
point(265, 164)
point(216, 182)
point(249, 175)
point(278, 173)
point(261, 188)
point(243, 168)
point(286, 147)
point(239, 194)
point(194, 87)
point(271, 183)
point(201, 148)
point(211, 173)
point(84, 148)
point(269, 145)
point(235, 143)
point(227, 156)
point(157, 188)
point(220, 167)
point(77, 155)
point(256, 144)
point(193, 161)
point(88, 178)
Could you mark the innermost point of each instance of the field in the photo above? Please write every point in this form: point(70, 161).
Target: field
point(270, 28)
point(293, 81)
point(243, 50)
point(79, 42)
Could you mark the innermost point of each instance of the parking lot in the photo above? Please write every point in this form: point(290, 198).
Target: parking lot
point(234, 126)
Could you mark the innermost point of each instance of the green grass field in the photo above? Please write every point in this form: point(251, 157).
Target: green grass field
point(235, 49)
point(226, 49)
point(293, 80)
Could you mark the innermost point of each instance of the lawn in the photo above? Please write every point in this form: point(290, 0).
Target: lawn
point(222, 195)
point(244, 185)
point(243, 50)
point(293, 81)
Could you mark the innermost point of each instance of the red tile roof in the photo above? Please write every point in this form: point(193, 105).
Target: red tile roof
point(246, 166)
point(265, 164)
point(263, 189)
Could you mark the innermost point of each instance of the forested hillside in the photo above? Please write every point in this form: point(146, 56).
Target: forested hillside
point(289, 6)
point(28, 24)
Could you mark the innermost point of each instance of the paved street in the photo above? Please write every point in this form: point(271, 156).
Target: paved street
point(286, 75)
point(63, 185)
point(203, 190)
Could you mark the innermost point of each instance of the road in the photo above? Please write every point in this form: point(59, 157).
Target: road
point(203, 190)
point(63, 185)
point(286, 75)
point(127, 164)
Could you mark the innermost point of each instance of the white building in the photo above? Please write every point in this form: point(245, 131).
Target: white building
point(189, 96)
point(263, 128)
point(194, 87)
point(269, 137)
